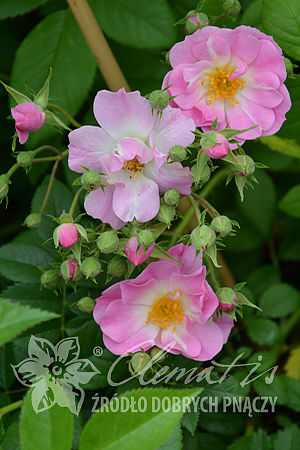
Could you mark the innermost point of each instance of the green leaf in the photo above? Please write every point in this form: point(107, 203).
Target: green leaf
point(290, 203)
point(7, 378)
point(56, 42)
point(189, 421)
point(252, 15)
point(262, 279)
point(290, 128)
point(204, 441)
point(51, 429)
point(129, 430)
point(288, 438)
point(260, 441)
point(174, 441)
point(280, 300)
point(137, 23)
point(263, 331)
point(259, 203)
point(287, 390)
point(14, 8)
point(15, 318)
point(11, 439)
point(18, 262)
point(32, 295)
point(278, 144)
point(281, 19)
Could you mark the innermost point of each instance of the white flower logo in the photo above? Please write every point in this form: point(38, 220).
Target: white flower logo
point(56, 373)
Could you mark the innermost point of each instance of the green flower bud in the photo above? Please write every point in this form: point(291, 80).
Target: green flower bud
point(91, 180)
point(157, 354)
point(50, 279)
point(86, 304)
point(221, 225)
point(231, 7)
point(195, 21)
point(116, 267)
point(208, 140)
point(4, 182)
point(24, 159)
point(204, 174)
point(171, 197)
point(245, 165)
point(177, 153)
point(108, 242)
point(70, 270)
point(203, 237)
point(138, 362)
point(33, 220)
point(288, 66)
point(145, 238)
point(166, 214)
point(227, 298)
point(159, 100)
point(90, 267)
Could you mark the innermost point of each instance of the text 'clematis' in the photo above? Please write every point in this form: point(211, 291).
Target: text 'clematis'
point(169, 305)
point(131, 150)
point(235, 75)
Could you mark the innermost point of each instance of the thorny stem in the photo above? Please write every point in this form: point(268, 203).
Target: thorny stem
point(75, 200)
point(65, 113)
point(12, 407)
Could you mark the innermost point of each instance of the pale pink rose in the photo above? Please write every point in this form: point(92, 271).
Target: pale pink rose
point(220, 149)
point(28, 117)
point(67, 235)
point(137, 257)
point(131, 148)
point(168, 305)
point(235, 75)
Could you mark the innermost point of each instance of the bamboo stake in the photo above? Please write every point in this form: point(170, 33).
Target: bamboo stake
point(98, 45)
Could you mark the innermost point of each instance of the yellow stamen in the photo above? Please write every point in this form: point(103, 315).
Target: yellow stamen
point(167, 311)
point(134, 166)
point(220, 85)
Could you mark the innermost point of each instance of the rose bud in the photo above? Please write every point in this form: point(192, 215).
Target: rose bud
point(50, 279)
point(159, 100)
point(214, 144)
point(137, 257)
point(86, 304)
point(227, 298)
point(221, 225)
point(231, 7)
point(166, 214)
point(91, 180)
point(66, 235)
point(24, 159)
point(202, 237)
point(90, 267)
point(28, 117)
point(177, 153)
point(145, 238)
point(108, 242)
point(70, 271)
point(171, 197)
point(201, 176)
point(116, 267)
point(4, 182)
point(33, 220)
point(245, 165)
point(138, 362)
point(195, 21)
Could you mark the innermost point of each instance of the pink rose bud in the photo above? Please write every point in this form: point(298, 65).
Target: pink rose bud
point(28, 117)
point(137, 257)
point(67, 235)
point(227, 298)
point(72, 266)
point(220, 149)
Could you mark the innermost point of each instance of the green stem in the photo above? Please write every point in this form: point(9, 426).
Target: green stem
point(214, 181)
point(66, 114)
point(290, 324)
point(12, 170)
point(75, 200)
point(182, 225)
point(195, 207)
point(51, 158)
point(48, 147)
point(220, 17)
point(63, 310)
point(8, 408)
point(212, 273)
point(48, 192)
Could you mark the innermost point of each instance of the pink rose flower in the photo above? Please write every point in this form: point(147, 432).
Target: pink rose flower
point(220, 149)
point(235, 75)
point(168, 305)
point(137, 257)
point(28, 117)
point(131, 148)
point(67, 235)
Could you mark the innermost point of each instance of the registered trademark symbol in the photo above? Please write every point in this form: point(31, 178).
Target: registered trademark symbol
point(97, 351)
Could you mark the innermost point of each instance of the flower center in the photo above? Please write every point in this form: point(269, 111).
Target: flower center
point(221, 86)
point(134, 166)
point(167, 311)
